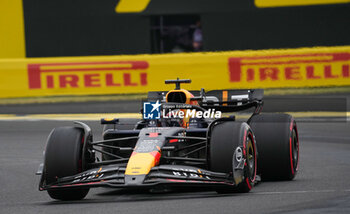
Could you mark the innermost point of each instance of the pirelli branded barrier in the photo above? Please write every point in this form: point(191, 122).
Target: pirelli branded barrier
point(307, 67)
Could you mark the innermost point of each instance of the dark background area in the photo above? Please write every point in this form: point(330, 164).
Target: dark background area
point(92, 27)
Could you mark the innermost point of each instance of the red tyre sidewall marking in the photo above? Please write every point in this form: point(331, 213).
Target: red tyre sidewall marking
point(290, 155)
point(255, 161)
point(244, 142)
point(296, 132)
point(248, 180)
point(293, 125)
point(245, 154)
point(248, 183)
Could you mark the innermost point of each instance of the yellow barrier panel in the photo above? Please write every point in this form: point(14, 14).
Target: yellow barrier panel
point(306, 67)
point(12, 42)
point(291, 3)
point(131, 6)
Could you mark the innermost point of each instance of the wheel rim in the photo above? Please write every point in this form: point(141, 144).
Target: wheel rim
point(251, 159)
point(295, 150)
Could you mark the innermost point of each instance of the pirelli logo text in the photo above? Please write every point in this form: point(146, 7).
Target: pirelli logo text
point(88, 74)
point(301, 67)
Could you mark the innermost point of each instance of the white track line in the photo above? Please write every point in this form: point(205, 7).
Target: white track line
point(299, 192)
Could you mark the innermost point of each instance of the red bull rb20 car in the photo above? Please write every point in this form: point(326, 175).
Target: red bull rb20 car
point(164, 149)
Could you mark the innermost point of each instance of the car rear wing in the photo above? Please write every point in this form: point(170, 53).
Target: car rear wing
point(221, 100)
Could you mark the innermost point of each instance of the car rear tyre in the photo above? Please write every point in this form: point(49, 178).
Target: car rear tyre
point(278, 145)
point(63, 158)
point(225, 139)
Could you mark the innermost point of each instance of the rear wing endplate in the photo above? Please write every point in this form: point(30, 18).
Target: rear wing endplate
point(221, 100)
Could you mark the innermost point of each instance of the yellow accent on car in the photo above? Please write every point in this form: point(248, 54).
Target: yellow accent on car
point(185, 92)
point(140, 164)
point(108, 119)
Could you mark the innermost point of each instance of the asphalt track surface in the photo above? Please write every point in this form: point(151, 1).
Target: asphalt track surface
point(277, 103)
point(321, 185)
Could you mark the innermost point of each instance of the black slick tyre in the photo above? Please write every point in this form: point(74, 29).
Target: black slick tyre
point(63, 158)
point(225, 138)
point(278, 145)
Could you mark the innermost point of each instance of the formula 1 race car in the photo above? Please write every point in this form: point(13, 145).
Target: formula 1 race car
point(175, 145)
